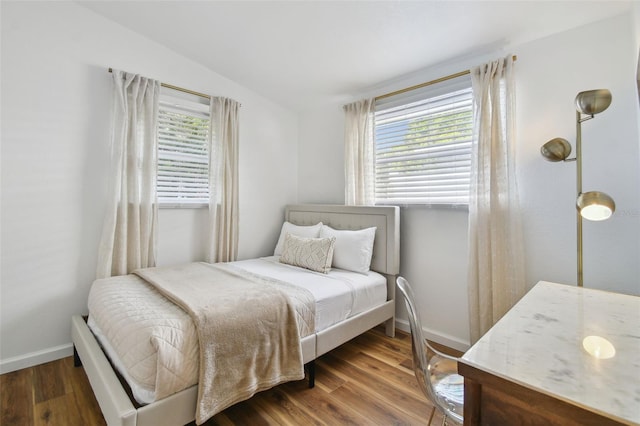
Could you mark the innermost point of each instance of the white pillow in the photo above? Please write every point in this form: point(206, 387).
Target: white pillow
point(310, 253)
point(353, 249)
point(312, 231)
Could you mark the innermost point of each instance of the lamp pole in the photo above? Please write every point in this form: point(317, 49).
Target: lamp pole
point(579, 191)
point(593, 205)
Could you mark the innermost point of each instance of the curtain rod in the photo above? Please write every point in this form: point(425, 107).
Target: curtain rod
point(180, 89)
point(428, 83)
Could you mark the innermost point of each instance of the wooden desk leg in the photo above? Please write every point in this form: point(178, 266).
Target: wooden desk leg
point(472, 400)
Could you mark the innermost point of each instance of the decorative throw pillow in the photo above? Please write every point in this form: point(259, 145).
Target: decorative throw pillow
point(312, 231)
point(353, 249)
point(310, 253)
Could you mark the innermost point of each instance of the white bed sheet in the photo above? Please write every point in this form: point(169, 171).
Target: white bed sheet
point(338, 294)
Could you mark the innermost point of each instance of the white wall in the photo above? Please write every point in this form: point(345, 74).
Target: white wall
point(635, 9)
point(635, 51)
point(321, 155)
point(592, 57)
point(550, 72)
point(55, 125)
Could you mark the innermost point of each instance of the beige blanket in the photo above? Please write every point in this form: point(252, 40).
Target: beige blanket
point(249, 329)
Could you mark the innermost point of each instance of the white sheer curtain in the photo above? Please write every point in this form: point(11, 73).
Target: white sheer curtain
point(496, 265)
point(129, 233)
point(359, 153)
point(223, 181)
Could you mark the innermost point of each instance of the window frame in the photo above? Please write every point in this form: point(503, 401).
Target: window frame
point(192, 107)
point(408, 104)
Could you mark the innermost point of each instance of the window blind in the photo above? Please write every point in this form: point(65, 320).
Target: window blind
point(423, 145)
point(183, 152)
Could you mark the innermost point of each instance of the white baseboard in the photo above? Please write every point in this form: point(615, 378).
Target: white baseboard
point(443, 339)
point(35, 358)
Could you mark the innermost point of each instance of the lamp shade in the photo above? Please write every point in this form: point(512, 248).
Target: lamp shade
point(593, 101)
point(595, 205)
point(556, 149)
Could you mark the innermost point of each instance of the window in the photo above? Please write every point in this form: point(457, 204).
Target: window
point(423, 145)
point(183, 152)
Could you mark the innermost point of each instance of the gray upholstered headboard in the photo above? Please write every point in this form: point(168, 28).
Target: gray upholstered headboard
point(386, 219)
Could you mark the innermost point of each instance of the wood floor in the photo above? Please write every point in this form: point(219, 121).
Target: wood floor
point(367, 381)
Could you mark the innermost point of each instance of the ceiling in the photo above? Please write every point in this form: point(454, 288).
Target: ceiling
point(300, 53)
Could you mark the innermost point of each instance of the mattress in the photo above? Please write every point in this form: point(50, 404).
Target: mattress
point(153, 343)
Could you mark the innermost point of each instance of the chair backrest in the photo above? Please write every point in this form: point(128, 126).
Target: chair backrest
point(423, 352)
point(418, 342)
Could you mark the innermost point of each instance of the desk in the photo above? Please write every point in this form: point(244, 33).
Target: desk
point(531, 367)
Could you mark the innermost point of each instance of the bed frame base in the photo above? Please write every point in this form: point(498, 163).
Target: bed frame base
point(77, 362)
point(309, 367)
point(311, 373)
point(180, 408)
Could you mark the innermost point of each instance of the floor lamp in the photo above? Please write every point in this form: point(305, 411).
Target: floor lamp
point(593, 205)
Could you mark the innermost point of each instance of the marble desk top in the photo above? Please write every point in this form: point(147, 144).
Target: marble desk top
point(539, 345)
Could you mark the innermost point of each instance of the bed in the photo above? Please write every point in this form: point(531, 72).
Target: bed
point(333, 329)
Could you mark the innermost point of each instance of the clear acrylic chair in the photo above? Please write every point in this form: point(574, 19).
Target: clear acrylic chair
point(437, 373)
